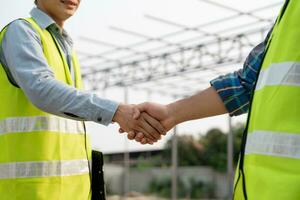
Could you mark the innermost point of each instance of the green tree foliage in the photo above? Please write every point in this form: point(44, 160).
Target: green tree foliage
point(163, 187)
point(215, 149)
point(190, 151)
point(198, 189)
point(238, 131)
point(209, 150)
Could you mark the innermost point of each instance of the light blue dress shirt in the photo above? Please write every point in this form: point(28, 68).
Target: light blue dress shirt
point(21, 53)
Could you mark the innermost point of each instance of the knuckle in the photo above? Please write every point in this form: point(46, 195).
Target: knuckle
point(139, 123)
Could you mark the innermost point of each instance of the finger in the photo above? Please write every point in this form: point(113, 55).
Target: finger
point(145, 132)
point(150, 142)
point(131, 135)
point(139, 128)
point(139, 136)
point(154, 123)
point(138, 139)
point(150, 130)
point(121, 130)
point(144, 141)
point(142, 126)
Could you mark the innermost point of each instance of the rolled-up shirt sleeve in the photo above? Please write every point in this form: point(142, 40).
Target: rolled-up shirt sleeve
point(235, 88)
point(23, 56)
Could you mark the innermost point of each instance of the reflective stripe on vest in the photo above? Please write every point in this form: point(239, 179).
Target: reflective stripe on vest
point(40, 123)
point(286, 73)
point(274, 144)
point(43, 169)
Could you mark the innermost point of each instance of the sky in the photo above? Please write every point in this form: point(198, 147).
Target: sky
point(94, 19)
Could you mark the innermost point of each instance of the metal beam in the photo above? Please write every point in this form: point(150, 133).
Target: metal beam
point(103, 54)
point(234, 10)
point(198, 57)
point(149, 38)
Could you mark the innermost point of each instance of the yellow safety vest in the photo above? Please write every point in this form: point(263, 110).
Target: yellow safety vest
point(42, 156)
point(271, 161)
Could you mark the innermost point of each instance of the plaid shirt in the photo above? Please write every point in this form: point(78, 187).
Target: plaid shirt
point(235, 88)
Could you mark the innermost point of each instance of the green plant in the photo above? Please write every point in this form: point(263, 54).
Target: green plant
point(162, 187)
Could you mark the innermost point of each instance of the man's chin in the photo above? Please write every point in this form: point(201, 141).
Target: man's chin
point(68, 14)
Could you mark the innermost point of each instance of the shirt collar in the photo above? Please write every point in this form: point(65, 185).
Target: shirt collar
point(44, 21)
point(41, 18)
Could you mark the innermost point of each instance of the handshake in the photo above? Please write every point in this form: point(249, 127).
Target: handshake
point(146, 122)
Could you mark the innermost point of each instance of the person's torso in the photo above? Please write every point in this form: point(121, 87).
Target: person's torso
point(272, 153)
point(42, 156)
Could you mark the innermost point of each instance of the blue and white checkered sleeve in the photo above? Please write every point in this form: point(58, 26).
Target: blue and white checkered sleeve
point(235, 88)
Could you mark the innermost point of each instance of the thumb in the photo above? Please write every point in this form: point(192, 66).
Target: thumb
point(142, 107)
point(136, 112)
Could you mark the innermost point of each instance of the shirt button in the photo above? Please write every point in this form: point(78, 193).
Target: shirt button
point(99, 119)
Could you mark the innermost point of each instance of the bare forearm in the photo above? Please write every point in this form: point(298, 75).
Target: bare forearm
point(206, 103)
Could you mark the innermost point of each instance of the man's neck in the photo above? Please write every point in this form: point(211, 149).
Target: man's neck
point(59, 22)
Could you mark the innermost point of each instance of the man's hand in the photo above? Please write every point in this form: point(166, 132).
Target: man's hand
point(130, 120)
point(162, 113)
point(206, 103)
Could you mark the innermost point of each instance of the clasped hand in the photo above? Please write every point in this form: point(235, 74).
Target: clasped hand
point(145, 122)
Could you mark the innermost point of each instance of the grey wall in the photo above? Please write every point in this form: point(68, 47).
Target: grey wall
point(140, 179)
